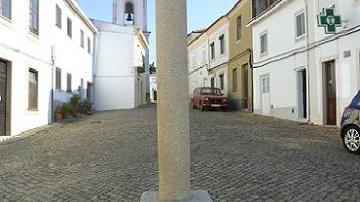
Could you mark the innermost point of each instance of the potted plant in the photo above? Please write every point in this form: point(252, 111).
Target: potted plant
point(68, 110)
point(86, 106)
point(75, 103)
point(59, 113)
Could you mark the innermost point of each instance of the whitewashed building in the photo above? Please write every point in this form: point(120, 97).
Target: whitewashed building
point(280, 63)
point(306, 73)
point(121, 61)
point(35, 39)
point(218, 34)
point(198, 60)
point(208, 52)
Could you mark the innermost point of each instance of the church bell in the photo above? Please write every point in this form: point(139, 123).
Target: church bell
point(129, 17)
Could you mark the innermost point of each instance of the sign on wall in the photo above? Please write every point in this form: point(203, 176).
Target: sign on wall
point(329, 20)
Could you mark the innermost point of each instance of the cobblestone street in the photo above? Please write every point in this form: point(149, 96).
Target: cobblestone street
point(111, 156)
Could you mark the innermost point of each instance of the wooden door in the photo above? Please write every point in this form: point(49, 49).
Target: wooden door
point(330, 93)
point(3, 89)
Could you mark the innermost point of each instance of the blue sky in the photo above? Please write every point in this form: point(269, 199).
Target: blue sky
point(201, 13)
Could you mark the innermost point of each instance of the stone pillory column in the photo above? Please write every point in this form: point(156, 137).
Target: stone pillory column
point(173, 106)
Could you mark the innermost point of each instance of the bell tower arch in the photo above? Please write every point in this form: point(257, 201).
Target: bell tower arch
point(130, 13)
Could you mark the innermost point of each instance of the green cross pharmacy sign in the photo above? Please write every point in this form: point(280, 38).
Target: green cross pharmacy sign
point(329, 20)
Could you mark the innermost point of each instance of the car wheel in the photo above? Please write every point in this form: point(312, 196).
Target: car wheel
point(351, 139)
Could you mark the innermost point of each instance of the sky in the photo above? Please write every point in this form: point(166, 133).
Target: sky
point(201, 13)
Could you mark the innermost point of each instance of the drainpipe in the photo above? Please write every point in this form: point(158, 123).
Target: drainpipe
point(307, 61)
point(53, 59)
point(252, 78)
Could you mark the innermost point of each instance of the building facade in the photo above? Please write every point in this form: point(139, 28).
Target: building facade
point(240, 62)
point(218, 37)
point(311, 71)
point(198, 60)
point(36, 37)
point(119, 78)
point(334, 58)
point(280, 62)
point(122, 78)
point(134, 13)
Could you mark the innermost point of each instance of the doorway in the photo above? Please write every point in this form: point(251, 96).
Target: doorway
point(302, 94)
point(265, 94)
point(3, 97)
point(245, 75)
point(330, 93)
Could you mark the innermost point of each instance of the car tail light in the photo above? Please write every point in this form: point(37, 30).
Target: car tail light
point(206, 99)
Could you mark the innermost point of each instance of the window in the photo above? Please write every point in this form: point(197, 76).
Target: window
point(58, 79)
point(68, 83)
point(33, 89)
point(5, 8)
point(263, 44)
point(238, 28)
point(265, 81)
point(212, 49)
point(58, 16)
point(82, 39)
point(221, 78)
point(300, 25)
point(89, 44)
point(69, 27)
point(34, 16)
point(222, 44)
point(212, 82)
point(234, 80)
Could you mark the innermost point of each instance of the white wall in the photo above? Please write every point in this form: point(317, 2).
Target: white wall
point(282, 61)
point(347, 68)
point(78, 62)
point(219, 65)
point(24, 50)
point(198, 53)
point(118, 54)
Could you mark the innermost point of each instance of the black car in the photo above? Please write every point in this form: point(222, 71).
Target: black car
point(350, 126)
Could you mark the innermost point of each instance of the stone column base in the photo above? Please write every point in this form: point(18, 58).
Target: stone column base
point(197, 196)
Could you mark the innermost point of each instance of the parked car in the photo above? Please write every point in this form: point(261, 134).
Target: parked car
point(209, 98)
point(350, 126)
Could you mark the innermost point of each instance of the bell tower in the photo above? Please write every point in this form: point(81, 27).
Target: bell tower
point(130, 13)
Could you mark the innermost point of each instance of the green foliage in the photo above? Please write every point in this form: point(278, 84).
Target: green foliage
point(68, 108)
point(152, 68)
point(86, 105)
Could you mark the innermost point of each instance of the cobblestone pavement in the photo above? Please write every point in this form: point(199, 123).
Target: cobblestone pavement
point(111, 156)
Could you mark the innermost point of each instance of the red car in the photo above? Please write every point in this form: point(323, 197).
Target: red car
point(209, 98)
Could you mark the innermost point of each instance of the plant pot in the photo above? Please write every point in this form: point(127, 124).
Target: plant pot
point(68, 115)
point(59, 116)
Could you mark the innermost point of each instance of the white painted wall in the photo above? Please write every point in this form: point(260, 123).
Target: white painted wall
point(198, 53)
point(282, 60)
point(78, 62)
point(118, 53)
point(24, 50)
point(347, 68)
point(219, 64)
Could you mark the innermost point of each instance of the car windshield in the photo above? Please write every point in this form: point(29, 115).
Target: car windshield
point(211, 91)
point(356, 100)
